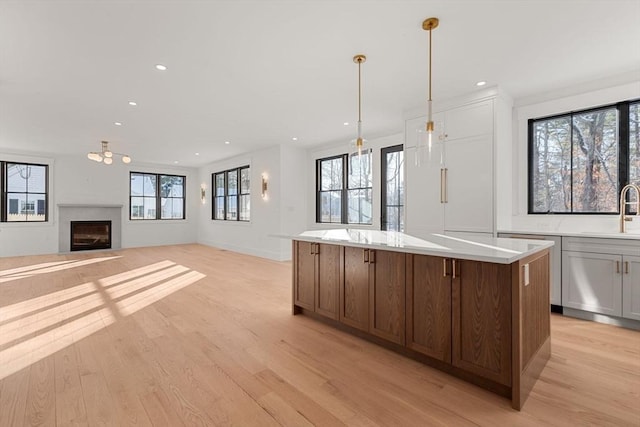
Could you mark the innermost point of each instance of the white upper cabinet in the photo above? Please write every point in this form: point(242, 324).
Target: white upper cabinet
point(453, 190)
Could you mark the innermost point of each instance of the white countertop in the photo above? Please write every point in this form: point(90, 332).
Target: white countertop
point(632, 234)
point(488, 249)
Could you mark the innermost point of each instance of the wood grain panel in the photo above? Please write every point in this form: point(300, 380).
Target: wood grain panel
point(535, 308)
point(428, 307)
point(305, 276)
point(327, 287)
point(482, 319)
point(387, 295)
point(354, 295)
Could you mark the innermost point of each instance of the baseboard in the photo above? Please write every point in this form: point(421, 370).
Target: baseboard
point(602, 318)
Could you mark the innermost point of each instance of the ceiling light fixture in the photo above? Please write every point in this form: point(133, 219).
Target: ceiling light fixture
point(294, 138)
point(161, 67)
point(481, 83)
point(106, 155)
point(227, 142)
point(133, 103)
point(346, 123)
point(117, 123)
point(359, 141)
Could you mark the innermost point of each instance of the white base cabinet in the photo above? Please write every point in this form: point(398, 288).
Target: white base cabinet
point(601, 276)
point(631, 287)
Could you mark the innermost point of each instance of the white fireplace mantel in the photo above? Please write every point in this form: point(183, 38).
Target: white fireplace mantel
point(68, 212)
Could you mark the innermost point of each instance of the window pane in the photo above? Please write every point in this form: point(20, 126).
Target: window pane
point(219, 212)
point(330, 206)
point(360, 175)
point(137, 207)
point(37, 207)
point(232, 182)
point(245, 181)
point(36, 179)
point(634, 143)
point(245, 208)
point(331, 174)
point(595, 161)
point(170, 186)
point(16, 207)
point(137, 184)
point(232, 207)
point(219, 178)
point(149, 207)
point(359, 202)
point(149, 185)
point(17, 177)
point(551, 165)
point(172, 208)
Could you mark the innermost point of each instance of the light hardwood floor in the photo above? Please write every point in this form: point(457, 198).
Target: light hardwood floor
point(191, 335)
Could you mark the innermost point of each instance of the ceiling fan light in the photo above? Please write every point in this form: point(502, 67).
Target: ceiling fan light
point(126, 159)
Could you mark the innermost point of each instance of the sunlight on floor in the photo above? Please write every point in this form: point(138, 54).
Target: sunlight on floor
point(34, 329)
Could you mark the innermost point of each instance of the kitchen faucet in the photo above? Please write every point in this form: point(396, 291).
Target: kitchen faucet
point(623, 204)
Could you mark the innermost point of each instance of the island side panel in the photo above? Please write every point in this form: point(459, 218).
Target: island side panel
point(531, 320)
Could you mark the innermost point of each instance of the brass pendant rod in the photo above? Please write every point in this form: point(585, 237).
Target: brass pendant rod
point(359, 93)
point(430, 29)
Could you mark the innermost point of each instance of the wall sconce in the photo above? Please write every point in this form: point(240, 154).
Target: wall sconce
point(264, 186)
point(203, 193)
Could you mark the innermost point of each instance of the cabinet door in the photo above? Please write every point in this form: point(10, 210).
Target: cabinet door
point(327, 286)
point(387, 295)
point(592, 282)
point(354, 295)
point(469, 185)
point(429, 306)
point(469, 120)
point(631, 287)
point(481, 319)
point(304, 275)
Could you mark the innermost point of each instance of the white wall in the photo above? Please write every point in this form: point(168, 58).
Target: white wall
point(77, 180)
point(522, 113)
point(277, 215)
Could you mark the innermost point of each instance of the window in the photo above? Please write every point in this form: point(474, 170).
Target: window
point(392, 188)
point(156, 196)
point(579, 161)
point(24, 192)
point(232, 194)
point(339, 203)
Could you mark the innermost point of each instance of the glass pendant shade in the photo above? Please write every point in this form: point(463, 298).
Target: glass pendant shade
point(106, 155)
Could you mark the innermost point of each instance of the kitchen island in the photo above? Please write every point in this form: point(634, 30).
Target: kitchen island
point(475, 308)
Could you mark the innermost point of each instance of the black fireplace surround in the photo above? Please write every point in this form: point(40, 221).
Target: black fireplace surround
point(88, 235)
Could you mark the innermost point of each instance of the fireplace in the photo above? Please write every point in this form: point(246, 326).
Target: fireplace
point(87, 235)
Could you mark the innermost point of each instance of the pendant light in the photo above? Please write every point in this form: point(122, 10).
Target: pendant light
point(359, 141)
point(428, 25)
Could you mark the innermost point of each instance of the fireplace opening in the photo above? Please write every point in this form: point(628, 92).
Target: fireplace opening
point(88, 235)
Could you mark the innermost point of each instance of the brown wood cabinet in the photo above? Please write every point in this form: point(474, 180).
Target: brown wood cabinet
point(481, 319)
point(354, 294)
point(387, 295)
point(429, 306)
point(485, 322)
point(317, 277)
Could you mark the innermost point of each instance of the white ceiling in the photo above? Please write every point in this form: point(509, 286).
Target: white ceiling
point(257, 73)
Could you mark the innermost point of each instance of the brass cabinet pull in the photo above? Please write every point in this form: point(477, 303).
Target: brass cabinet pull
point(453, 268)
point(617, 266)
point(365, 255)
point(317, 248)
point(626, 267)
point(372, 256)
point(446, 184)
point(443, 178)
point(444, 267)
point(311, 248)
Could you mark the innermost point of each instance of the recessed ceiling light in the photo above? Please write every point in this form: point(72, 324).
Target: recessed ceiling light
point(117, 123)
point(161, 67)
point(481, 83)
point(227, 142)
point(346, 123)
point(294, 138)
point(197, 154)
point(175, 161)
point(133, 103)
